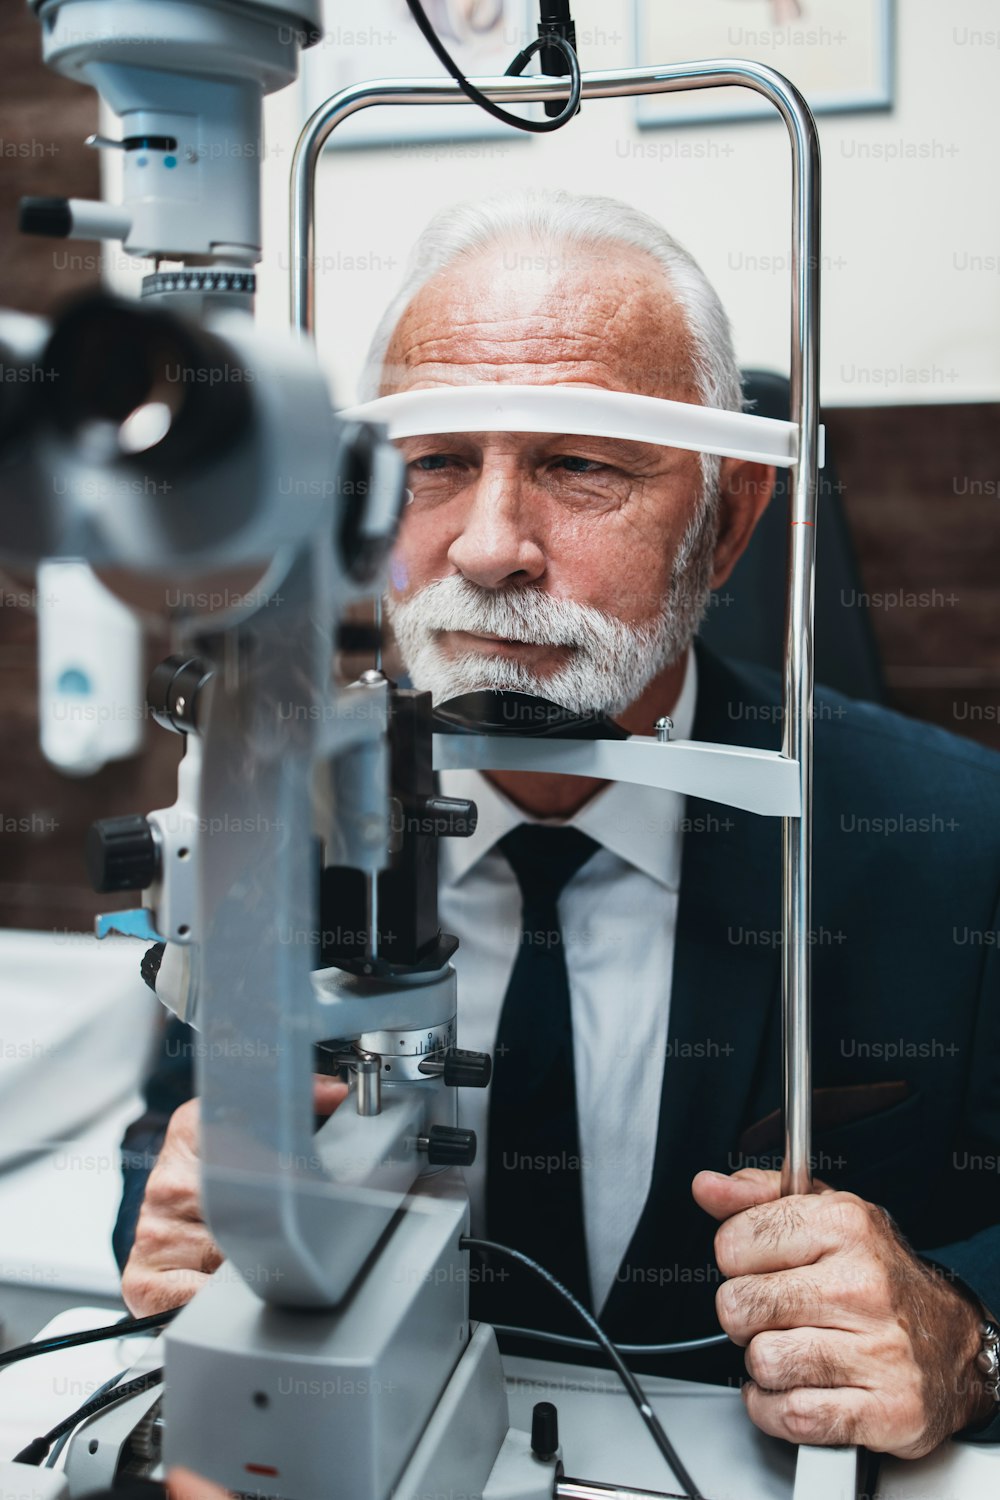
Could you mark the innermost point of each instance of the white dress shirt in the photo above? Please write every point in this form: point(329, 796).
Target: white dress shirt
point(618, 918)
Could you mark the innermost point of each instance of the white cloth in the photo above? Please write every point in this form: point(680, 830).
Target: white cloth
point(618, 919)
point(77, 1028)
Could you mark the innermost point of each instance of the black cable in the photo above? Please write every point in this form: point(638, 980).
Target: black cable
point(635, 1391)
point(61, 1442)
point(550, 39)
point(682, 1346)
point(36, 1450)
point(123, 1329)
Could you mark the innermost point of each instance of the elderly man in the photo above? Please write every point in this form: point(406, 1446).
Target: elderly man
point(579, 569)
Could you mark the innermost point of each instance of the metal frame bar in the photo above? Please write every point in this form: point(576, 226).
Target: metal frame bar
point(804, 369)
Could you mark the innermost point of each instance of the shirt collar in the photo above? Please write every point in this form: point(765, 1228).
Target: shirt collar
point(640, 824)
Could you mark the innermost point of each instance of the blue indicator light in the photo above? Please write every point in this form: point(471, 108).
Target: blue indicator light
point(74, 680)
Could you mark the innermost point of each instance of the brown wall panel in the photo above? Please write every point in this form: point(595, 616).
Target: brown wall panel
point(44, 121)
point(922, 495)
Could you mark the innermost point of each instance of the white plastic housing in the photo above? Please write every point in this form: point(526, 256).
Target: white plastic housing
point(89, 670)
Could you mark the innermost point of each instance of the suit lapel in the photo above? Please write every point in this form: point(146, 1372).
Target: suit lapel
point(726, 985)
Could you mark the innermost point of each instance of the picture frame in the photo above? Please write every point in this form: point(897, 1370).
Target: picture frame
point(840, 53)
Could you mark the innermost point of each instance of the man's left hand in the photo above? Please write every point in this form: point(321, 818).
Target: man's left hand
point(849, 1336)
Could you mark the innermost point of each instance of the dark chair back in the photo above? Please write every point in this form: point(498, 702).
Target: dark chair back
point(747, 617)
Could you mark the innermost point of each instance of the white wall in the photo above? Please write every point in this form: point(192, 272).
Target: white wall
point(911, 210)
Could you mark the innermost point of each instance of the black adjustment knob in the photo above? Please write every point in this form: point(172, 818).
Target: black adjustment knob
point(447, 817)
point(149, 968)
point(172, 692)
point(467, 1070)
point(448, 1146)
point(121, 854)
point(544, 1430)
point(51, 216)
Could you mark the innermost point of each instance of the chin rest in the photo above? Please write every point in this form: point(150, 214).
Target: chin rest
point(497, 711)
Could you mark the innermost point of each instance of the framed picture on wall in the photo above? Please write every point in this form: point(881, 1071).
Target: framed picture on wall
point(838, 52)
point(380, 39)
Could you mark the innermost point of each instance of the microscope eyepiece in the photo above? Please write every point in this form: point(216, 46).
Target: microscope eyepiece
point(142, 386)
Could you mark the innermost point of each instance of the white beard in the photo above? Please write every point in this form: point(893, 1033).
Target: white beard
point(611, 662)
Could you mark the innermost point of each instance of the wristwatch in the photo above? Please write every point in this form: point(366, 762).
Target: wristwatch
point(988, 1358)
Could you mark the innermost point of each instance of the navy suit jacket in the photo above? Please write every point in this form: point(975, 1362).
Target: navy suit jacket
point(906, 1010)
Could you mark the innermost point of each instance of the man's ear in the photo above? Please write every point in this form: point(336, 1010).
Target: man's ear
point(744, 490)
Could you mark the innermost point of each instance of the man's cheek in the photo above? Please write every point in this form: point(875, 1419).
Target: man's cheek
point(412, 561)
point(399, 572)
point(596, 568)
point(420, 554)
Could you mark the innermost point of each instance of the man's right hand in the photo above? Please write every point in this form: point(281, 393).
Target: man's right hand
point(174, 1254)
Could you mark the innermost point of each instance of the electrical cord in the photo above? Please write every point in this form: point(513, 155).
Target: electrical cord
point(38, 1448)
point(632, 1386)
point(61, 1442)
point(123, 1329)
point(111, 1391)
point(550, 39)
point(682, 1346)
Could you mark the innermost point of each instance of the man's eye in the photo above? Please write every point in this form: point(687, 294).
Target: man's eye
point(574, 464)
point(431, 461)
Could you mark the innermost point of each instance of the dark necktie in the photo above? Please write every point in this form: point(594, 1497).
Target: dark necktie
point(533, 1182)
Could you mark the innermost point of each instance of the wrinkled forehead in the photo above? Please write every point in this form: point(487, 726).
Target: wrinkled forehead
point(535, 312)
point(583, 412)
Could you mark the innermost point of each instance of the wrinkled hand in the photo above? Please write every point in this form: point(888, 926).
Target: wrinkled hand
point(849, 1337)
point(174, 1254)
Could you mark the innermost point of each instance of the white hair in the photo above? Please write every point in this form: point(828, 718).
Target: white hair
point(556, 216)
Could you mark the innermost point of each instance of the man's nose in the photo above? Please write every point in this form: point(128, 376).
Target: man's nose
point(498, 542)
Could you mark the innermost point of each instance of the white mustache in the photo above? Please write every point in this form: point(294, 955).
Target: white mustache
point(610, 662)
point(523, 614)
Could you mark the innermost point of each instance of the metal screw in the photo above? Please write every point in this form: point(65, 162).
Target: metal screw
point(664, 729)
